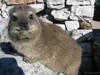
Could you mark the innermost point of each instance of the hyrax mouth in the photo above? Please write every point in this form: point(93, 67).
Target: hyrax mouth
point(19, 34)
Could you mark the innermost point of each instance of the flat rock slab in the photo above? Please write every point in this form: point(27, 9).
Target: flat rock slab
point(57, 4)
point(38, 7)
point(87, 11)
point(14, 65)
point(72, 25)
point(60, 15)
point(82, 34)
point(80, 2)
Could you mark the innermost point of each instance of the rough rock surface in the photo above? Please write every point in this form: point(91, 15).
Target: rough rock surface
point(14, 65)
point(82, 11)
point(10, 64)
point(72, 25)
point(58, 4)
point(76, 34)
point(62, 14)
point(38, 7)
point(78, 2)
point(60, 10)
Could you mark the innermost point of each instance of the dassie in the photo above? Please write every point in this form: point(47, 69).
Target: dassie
point(43, 42)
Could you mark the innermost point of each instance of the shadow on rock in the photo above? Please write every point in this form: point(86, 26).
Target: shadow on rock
point(85, 42)
point(7, 48)
point(8, 66)
point(96, 50)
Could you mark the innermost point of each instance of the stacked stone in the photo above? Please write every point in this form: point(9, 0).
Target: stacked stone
point(8, 4)
point(69, 11)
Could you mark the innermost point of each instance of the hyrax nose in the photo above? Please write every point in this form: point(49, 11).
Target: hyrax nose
point(23, 25)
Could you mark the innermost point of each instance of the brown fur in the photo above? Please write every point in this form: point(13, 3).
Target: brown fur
point(47, 44)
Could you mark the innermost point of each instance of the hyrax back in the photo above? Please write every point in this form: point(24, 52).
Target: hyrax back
point(43, 42)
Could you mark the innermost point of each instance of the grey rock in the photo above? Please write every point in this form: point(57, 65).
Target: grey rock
point(96, 53)
point(3, 30)
point(58, 4)
point(5, 15)
point(38, 7)
point(14, 65)
point(76, 34)
point(78, 2)
point(0, 12)
point(73, 17)
point(86, 64)
point(3, 7)
point(28, 69)
point(87, 11)
point(62, 14)
point(0, 17)
point(92, 2)
point(72, 25)
point(4, 11)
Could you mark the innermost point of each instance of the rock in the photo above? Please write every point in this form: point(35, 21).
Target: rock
point(62, 26)
point(61, 15)
point(86, 67)
point(0, 13)
point(5, 15)
point(14, 65)
point(0, 18)
point(92, 2)
point(96, 50)
point(86, 49)
point(3, 7)
point(13, 69)
point(76, 34)
point(3, 24)
point(73, 9)
point(10, 64)
point(4, 12)
point(78, 2)
point(73, 17)
point(55, 4)
point(72, 25)
point(82, 11)
point(38, 7)
point(3, 30)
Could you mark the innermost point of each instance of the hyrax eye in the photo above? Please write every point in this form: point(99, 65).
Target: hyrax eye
point(14, 18)
point(31, 16)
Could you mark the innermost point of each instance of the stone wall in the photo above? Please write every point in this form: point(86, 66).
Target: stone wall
point(67, 13)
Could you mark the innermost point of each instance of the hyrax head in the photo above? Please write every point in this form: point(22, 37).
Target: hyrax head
point(23, 23)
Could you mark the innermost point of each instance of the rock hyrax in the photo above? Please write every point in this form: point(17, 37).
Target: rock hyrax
point(43, 42)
